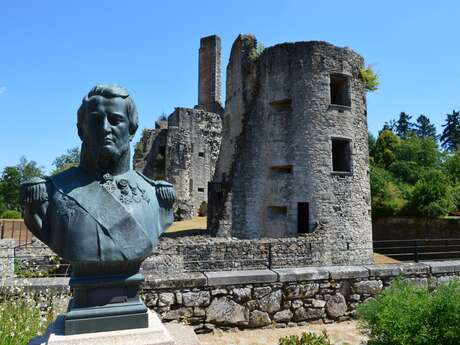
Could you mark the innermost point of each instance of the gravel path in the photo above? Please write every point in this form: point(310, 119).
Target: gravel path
point(339, 334)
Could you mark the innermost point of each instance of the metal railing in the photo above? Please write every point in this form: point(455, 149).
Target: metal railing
point(419, 249)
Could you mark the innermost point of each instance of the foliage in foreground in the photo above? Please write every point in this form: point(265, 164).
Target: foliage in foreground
point(306, 339)
point(21, 318)
point(405, 314)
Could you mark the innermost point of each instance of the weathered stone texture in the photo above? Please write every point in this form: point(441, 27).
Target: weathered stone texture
point(246, 304)
point(209, 77)
point(184, 152)
point(278, 128)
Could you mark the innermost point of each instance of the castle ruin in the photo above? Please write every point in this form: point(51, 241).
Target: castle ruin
point(294, 154)
point(183, 148)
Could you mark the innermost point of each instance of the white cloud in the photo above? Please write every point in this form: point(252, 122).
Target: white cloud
point(2, 89)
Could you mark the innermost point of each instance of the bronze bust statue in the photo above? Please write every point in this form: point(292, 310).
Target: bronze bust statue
point(101, 216)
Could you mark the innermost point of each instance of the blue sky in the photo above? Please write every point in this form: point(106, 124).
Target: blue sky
point(53, 52)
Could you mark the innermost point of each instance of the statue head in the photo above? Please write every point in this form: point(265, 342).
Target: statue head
point(107, 122)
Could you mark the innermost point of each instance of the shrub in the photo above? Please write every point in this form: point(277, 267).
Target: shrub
point(11, 214)
point(387, 199)
point(370, 78)
point(256, 52)
point(21, 319)
point(306, 339)
point(405, 314)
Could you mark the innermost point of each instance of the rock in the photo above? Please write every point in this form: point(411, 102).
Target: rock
point(336, 306)
point(272, 302)
point(302, 291)
point(179, 297)
point(252, 305)
point(151, 300)
point(224, 311)
point(165, 299)
point(345, 289)
point(196, 299)
point(302, 314)
point(318, 303)
point(219, 292)
point(178, 314)
point(372, 287)
point(242, 295)
point(297, 304)
point(355, 298)
point(198, 311)
point(259, 318)
point(283, 316)
point(260, 292)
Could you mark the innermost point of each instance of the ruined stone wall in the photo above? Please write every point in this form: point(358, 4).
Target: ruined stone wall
point(209, 77)
point(282, 153)
point(192, 146)
point(149, 153)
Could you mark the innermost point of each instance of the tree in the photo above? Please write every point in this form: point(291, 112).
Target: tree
point(450, 137)
point(67, 160)
point(388, 126)
point(403, 126)
point(424, 128)
point(384, 150)
point(452, 167)
point(387, 199)
point(11, 180)
point(371, 143)
point(432, 195)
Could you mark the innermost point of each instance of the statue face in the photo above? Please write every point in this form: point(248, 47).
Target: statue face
point(106, 128)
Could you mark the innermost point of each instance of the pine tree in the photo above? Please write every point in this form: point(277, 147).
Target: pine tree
point(403, 127)
point(450, 137)
point(388, 126)
point(424, 128)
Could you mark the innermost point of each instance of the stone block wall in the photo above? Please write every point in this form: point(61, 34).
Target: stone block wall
point(262, 298)
point(281, 297)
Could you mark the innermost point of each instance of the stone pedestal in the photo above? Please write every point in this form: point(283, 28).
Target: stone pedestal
point(154, 334)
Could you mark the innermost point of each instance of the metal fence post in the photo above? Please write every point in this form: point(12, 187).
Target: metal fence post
point(3, 230)
point(415, 251)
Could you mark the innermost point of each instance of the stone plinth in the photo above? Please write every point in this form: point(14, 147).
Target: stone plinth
point(155, 334)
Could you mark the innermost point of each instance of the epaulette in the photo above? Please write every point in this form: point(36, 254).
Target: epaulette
point(33, 190)
point(165, 191)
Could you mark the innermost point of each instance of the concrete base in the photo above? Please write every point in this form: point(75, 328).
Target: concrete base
point(154, 334)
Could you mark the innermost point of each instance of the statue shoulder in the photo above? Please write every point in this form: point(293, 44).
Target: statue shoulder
point(165, 191)
point(35, 190)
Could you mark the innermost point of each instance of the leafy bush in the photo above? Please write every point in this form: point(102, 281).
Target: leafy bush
point(370, 78)
point(387, 199)
point(306, 339)
point(405, 314)
point(11, 214)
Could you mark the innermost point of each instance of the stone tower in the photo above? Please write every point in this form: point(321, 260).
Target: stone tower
point(209, 75)
point(294, 156)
